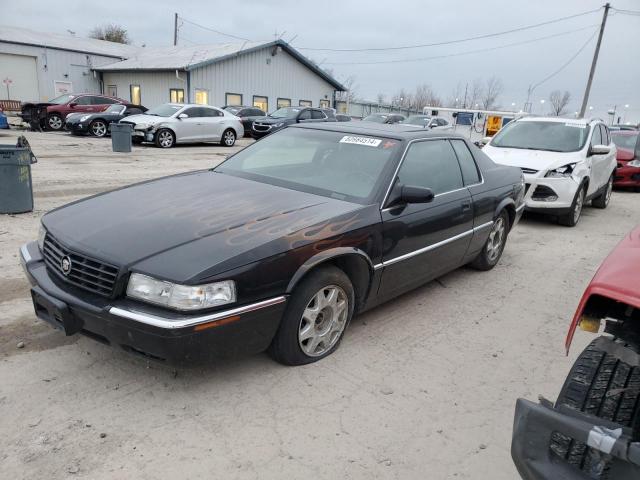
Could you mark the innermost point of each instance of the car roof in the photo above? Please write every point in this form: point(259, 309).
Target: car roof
point(581, 121)
point(398, 131)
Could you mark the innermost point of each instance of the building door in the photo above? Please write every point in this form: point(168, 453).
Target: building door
point(21, 77)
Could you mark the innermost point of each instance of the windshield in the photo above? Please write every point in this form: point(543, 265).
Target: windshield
point(233, 110)
point(62, 99)
point(117, 109)
point(332, 164)
point(417, 120)
point(549, 136)
point(625, 141)
point(286, 112)
point(376, 118)
point(164, 110)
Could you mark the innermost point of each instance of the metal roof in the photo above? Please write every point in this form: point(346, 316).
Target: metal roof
point(196, 56)
point(24, 36)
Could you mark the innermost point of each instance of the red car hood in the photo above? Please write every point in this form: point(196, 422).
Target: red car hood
point(624, 154)
point(617, 278)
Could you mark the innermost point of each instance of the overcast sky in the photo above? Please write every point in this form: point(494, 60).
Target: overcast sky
point(368, 24)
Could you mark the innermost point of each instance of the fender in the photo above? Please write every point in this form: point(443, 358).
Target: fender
point(504, 203)
point(323, 256)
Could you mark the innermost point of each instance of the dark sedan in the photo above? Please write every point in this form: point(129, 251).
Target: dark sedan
point(289, 116)
point(389, 118)
point(277, 247)
point(99, 124)
point(247, 115)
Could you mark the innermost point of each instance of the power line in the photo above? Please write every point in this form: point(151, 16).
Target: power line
point(469, 52)
point(215, 31)
point(449, 42)
point(626, 12)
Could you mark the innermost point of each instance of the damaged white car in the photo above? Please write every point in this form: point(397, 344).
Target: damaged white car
point(173, 123)
point(566, 163)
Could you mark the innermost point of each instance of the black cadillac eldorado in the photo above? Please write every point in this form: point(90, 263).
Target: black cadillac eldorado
point(277, 247)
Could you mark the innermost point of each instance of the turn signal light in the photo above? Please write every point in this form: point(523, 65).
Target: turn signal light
point(589, 324)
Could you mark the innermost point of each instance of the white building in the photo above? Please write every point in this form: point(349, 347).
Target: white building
point(267, 75)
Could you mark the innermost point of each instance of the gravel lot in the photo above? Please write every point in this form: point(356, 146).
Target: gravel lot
point(422, 387)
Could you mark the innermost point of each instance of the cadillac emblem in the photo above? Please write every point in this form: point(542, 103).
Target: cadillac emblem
point(65, 265)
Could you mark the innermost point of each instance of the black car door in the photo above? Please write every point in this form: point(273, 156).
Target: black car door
point(423, 241)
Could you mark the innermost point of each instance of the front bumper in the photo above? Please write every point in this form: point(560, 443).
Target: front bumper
point(77, 127)
point(164, 335)
point(534, 425)
point(550, 195)
point(627, 177)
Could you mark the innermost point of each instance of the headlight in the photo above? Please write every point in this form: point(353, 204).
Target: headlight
point(634, 163)
point(563, 171)
point(41, 234)
point(141, 126)
point(180, 297)
point(84, 117)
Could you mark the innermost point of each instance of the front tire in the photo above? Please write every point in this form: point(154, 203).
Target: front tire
point(54, 122)
point(314, 322)
point(165, 138)
point(571, 218)
point(493, 248)
point(228, 138)
point(600, 383)
point(98, 128)
point(603, 200)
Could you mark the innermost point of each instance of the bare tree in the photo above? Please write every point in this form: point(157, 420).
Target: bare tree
point(493, 89)
point(425, 96)
point(474, 93)
point(402, 99)
point(457, 96)
point(111, 33)
point(351, 90)
point(380, 98)
point(559, 101)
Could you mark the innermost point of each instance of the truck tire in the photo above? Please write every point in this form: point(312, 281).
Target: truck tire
point(603, 385)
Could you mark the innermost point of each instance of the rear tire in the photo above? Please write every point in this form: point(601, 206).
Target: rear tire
point(571, 219)
point(228, 138)
point(493, 248)
point(293, 344)
point(603, 200)
point(55, 122)
point(599, 384)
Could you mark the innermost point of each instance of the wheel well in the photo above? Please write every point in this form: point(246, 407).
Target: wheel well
point(357, 269)
point(622, 320)
point(232, 129)
point(511, 212)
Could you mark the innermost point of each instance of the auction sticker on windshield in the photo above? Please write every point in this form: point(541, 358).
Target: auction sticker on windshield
point(367, 141)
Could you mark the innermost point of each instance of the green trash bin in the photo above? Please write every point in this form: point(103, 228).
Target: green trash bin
point(121, 137)
point(16, 190)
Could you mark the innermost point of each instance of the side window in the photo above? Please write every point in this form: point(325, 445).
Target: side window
point(210, 112)
point(431, 164)
point(86, 100)
point(133, 111)
point(604, 132)
point(305, 115)
point(103, 101)
point(257, 113)
point(317, 115)
point(442, 122)
point(470, 173)
point(596, 138)
point(193, 112)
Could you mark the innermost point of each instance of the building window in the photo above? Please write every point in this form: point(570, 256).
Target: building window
point(305, 103)
point(112, 90)
point(136, 95)
point(341, 107)
point(202, 96)
point(176, 95)
point(324, 103)
point(233, 99)
point(284, 102)
point(261, 102)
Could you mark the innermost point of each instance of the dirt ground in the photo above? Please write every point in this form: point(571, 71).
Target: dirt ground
point(422, 387)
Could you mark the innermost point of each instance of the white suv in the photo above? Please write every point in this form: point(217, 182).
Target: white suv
point(565, 163)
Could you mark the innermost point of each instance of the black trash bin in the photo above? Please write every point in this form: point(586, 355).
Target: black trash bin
point(121, 137)
point(16, 189)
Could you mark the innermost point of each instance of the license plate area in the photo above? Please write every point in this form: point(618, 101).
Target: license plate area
point(55, 312)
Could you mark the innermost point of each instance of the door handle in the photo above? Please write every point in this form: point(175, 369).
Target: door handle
point(466, 206)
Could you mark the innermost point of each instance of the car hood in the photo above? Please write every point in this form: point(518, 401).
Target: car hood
point(533, 159)
point(273, 121)
point(625, 154)
point(187, 227)
point(148, 119)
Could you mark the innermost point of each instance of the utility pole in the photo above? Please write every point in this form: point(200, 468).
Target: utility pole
point(175, 29)
point(585, 99)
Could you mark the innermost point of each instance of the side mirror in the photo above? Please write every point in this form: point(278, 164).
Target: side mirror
point(485, 140)
point(182, 116)
point(73, 105)
point(411, 194)
point(600, 150)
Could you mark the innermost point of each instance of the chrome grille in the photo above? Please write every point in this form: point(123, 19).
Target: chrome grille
point(261, 127)
point(86, 273)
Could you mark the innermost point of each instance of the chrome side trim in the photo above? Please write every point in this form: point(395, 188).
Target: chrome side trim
point(168, 323)
point(432, 246)
point(24, 251)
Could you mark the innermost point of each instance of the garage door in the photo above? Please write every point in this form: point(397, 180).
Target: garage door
point(23, 77)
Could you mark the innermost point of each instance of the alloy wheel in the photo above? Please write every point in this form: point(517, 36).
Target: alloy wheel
point(609, 191)
point(55, 122)
point(98, 129)
point(578, 208)
point(496, 239)
point(229, 138)
point(323, 321)
point(165, 138)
